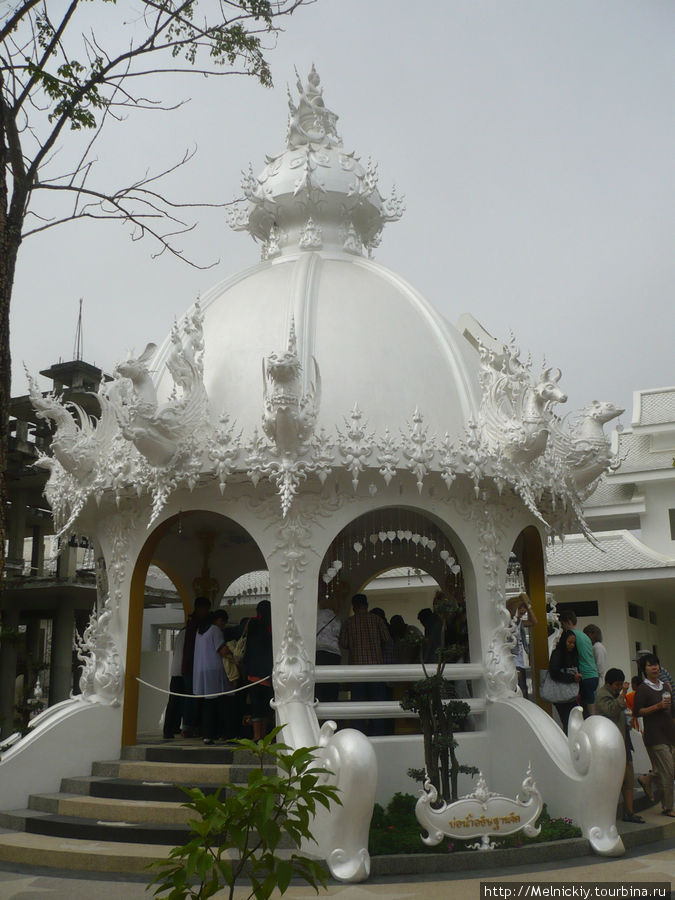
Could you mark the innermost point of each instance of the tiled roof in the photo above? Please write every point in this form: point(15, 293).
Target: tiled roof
point(620, 551)
point(608, 493)
point(634, 450)
point(657, 407)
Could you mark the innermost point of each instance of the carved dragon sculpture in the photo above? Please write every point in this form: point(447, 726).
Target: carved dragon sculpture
point(157, 431)
point(289, 415)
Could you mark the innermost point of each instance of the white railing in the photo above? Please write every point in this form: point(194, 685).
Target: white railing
point(398, 672)
point(383, 709)
point(391, 709)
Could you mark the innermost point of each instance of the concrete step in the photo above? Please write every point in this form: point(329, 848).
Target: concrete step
point(128, 789)
point(30, 850)
point(172, 772)
point(111, 809)
point(112, 831)
point(189, 752)
point(133, 802)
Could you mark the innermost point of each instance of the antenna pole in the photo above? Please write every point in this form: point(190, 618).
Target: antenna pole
point(77, 351)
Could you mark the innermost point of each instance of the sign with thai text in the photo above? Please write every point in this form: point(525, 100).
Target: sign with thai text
point(480, 814)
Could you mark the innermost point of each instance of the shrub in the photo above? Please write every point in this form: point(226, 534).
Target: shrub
point(396, 830)
point(250, 819)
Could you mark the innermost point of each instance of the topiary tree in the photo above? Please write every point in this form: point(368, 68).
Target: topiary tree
point(440, 713)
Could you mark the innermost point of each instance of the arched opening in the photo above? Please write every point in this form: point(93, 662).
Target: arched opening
point(525, 575)
point(196, 552)
point(399, 557)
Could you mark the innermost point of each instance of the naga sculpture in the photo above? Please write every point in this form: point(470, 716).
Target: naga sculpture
point(157, 431)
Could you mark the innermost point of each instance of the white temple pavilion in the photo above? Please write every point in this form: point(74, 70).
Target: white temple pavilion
point(316, 417)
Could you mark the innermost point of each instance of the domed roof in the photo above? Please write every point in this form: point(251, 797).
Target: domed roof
point(319, 360)
point(376, 341)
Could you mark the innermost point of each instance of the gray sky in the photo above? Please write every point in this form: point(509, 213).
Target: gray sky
point(534, 142)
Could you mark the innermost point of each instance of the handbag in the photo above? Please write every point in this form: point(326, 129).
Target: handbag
point(232, 662)
point(556, 691)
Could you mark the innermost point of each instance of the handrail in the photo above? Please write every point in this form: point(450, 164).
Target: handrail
point(382, 709)
point(454, 672)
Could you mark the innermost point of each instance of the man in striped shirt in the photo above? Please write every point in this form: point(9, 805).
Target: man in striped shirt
point(365, 635)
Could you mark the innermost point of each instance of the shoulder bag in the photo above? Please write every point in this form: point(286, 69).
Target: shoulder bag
point(556, 691)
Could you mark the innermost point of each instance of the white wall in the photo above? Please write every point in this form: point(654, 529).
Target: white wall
point(396, 755)
point(655, 524)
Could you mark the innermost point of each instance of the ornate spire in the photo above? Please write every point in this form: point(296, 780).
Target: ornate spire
point(314, 195)
point(311, 122)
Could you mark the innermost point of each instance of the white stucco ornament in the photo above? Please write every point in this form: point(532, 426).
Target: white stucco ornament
point(288, 423)
point(97, 650)
point(480, 814)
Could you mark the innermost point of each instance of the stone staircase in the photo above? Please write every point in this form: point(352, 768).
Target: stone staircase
point(124, 815)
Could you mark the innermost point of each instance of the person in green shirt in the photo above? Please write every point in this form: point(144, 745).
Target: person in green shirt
point(587, 667)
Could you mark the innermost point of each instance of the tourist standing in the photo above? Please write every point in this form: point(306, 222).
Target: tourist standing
point(174, 708)
point(365, 637)
point(652, 702)
point(202, 607)
point(564, 666)
point(599, 650)
point(610, 702)
point(433, 634)
point(258, 662)
point(328, 652)
point(519, 608)
point(587, 666)
point(209, 676)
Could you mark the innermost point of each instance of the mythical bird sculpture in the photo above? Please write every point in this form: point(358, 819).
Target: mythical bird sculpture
point(76, 442)
point(157, 430)
point(585, 449)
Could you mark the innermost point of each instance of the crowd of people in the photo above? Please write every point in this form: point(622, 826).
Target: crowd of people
point(366, 638)
point(211, 661)
point(580, 658)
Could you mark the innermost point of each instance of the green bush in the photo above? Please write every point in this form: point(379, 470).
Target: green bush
point(396, 830)
point(237, 837)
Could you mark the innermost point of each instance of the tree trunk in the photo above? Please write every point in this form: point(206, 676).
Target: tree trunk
point(10, 239)
point(9, 245)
